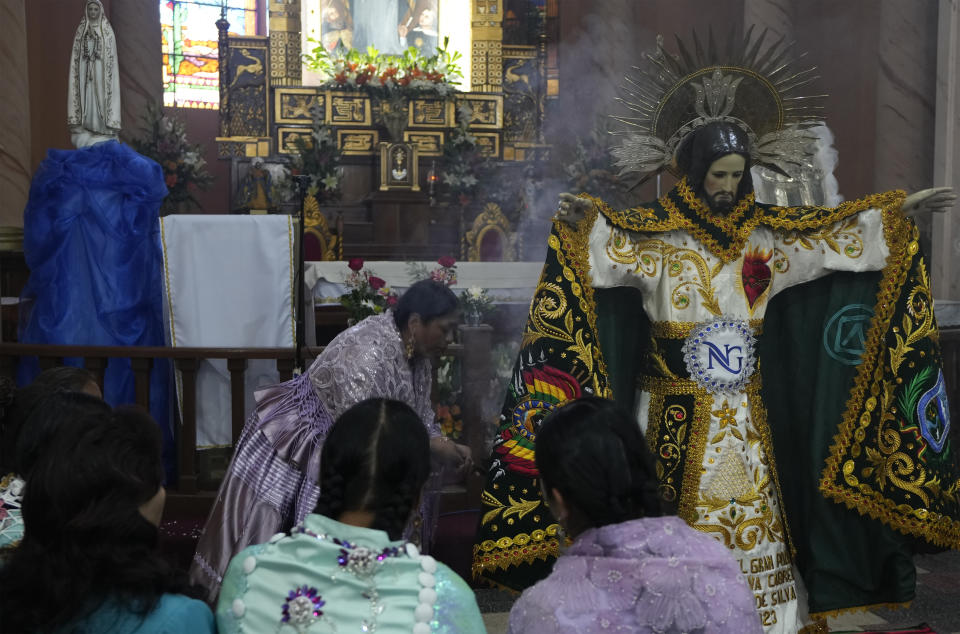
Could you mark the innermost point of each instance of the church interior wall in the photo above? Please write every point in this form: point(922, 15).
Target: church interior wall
point(876, 60)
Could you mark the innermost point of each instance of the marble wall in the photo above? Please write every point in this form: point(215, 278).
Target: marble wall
point(946, 155)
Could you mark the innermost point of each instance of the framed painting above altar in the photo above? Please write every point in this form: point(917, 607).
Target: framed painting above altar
point(390, 26)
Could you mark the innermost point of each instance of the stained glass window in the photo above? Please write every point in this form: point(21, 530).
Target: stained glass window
point(189, 36)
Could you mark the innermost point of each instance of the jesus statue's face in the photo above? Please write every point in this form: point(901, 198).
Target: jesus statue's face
point(93, 11)
point(721, 182)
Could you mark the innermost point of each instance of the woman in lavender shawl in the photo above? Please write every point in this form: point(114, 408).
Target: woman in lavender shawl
point(271, 483)
point(629, 569)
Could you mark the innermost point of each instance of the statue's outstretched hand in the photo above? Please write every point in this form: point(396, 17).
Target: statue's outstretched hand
point(572, 209)
point(936, 200)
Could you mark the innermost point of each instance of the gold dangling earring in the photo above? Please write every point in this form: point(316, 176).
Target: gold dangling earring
point(409, 347)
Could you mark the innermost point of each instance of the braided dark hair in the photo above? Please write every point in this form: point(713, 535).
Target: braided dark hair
point(594, 454)
point(375, 458)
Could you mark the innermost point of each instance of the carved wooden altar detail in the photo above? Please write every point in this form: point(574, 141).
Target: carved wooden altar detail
point(319, 242)
point(491, 238)
point(265, 108)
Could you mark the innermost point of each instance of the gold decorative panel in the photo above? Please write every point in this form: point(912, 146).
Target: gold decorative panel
point(489, 143)
point(358, 142)
point(249, 109)
point(348, 109)
point(486, 31)
point(431, 113)
point(293, 105)
point(287, 138)
point(428, 142)
point(486, 111)
point(285, 63)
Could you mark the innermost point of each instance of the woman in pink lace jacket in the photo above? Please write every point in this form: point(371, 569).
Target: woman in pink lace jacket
point(629, 569)
point(271, 483)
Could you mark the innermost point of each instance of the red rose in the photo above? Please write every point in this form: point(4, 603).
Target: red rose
point(375, 282)
point(392, 301)
point(446, 261)
point(355, 264)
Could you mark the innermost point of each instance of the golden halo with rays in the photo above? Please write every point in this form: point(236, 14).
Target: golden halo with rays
point(746, 83)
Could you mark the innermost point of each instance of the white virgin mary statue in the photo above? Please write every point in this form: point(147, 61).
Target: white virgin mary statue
point(93, 99)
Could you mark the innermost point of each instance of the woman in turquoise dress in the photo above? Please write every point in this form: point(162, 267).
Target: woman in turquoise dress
point(345, 567)
point(88, 562)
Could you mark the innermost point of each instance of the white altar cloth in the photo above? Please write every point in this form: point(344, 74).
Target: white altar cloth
point(228, 284)
point(504, 281)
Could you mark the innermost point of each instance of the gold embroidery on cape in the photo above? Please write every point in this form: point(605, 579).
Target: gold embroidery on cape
point(550, 316)
point(682, 329)
point(696, 433)
point(902, 238)
point(658, 362)
point(730, 483)
point(840, 238)
point(783, 218)
point(730, 490)
point(781, 263)
point(888, 465)
point(672, 423)
point(519, 508)
point(516, 550)
point(742, 532)
point(919, 308)
point(758, 415)
point(648, 254)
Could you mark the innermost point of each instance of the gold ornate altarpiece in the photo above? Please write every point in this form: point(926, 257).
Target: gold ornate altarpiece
point(264, 105)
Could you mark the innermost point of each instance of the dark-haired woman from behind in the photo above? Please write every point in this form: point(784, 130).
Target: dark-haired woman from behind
point(630, 569)
point(88, 562)
point(271, 483)
point(24, 430)
point(346, 568)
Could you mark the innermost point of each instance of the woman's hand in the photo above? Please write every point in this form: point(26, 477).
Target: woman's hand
point(455, 459)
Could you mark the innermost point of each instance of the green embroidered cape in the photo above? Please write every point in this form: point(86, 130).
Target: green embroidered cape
point(852, 383)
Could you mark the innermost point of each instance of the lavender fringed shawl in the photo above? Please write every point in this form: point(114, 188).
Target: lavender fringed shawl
point(270, 484)
point(645, 575)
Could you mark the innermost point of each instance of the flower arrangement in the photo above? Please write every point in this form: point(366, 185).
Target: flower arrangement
point(450, 420)
point(319, 158)
point(463, 165)
point(476, 304)
point(165, 141)
point(368, 294)
point(447, 395)
point(411, 73)
point(446, 273)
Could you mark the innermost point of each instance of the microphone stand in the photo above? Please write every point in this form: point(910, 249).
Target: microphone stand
point(303, 182)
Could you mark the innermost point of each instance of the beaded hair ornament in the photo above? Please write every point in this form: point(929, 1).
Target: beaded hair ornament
point(744, 83)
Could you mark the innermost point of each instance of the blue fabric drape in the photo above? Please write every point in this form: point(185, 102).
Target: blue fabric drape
point(91, 241)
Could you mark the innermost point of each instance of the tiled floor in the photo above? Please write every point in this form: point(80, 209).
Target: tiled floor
point(937, 602)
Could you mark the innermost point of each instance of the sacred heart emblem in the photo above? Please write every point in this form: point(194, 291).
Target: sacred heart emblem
point(755, 273)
